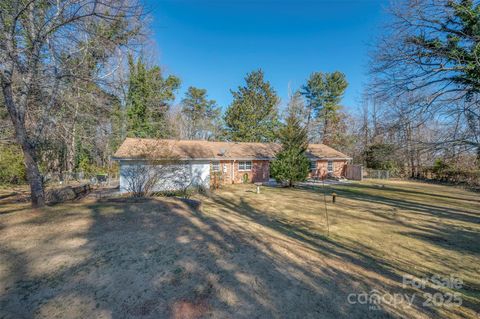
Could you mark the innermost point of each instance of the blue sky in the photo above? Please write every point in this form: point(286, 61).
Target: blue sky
point(213, 44)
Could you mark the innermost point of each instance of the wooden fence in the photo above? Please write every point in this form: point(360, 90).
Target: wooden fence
point(354, 172)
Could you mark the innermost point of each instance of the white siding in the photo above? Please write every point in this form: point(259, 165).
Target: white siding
point(173, 176)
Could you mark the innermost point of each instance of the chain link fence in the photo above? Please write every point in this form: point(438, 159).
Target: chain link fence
point(376, 173)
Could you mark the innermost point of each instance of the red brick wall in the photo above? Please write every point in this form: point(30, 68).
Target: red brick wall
point(259, 172)
point(321, 170)
point(225, 173)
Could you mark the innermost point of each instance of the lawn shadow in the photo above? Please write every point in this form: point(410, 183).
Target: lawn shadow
point(442, 234)
point(448, 228)
point(417, 192)
point(158, 259)
point(330, 248)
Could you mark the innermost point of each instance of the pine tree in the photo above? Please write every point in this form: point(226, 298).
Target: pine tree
point(253, 114)
point(138, 125)
point(162, 93)
point(323, 92)
point(148, 100)
point(201, 113)
point(291, 165)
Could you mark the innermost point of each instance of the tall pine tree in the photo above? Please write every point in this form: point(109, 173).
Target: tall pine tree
point(137, 125)
point(253, 114)
point(323, 93)
point(201, 113)
point(148, 100)
point(291, 165)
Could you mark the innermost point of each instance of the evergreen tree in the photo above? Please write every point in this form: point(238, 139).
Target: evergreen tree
point(253, 114)
point(323, 92)
point(148, 100)
point(291, 165)
point(136, 99)
point(161, 95)
point(201, 113)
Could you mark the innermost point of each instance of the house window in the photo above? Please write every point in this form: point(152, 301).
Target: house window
point(215, 166)
point(313, 165)
point(330, 166)
point(244, 165)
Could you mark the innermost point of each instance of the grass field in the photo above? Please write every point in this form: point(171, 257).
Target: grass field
point(246, 255)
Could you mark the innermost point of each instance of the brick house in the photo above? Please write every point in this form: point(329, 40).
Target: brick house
point(206, 163)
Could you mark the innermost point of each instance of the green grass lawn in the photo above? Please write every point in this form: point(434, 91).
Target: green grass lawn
point(245, 255)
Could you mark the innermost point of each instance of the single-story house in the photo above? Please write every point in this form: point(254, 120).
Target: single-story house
point(204, 163)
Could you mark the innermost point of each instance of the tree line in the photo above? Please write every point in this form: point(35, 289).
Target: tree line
point(422, 110)
point(76, 81)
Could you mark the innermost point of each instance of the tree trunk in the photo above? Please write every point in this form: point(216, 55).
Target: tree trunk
point(34, 176)
point(71, 148)
point(478, 156)
point(309, 118)
point(326, 129)
point(29, 157)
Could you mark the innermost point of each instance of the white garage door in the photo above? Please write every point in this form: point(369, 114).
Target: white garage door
point(171, 176)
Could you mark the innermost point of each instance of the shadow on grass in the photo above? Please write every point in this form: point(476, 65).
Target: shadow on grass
point(442, 234)
point(166, 259)
point(418, 192)
point(447, 228)
point(158, 259)
point(332, 249)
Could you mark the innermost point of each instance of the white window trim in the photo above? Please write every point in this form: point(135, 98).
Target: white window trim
point(333, 167)
point(246, 169)
point(218, 166)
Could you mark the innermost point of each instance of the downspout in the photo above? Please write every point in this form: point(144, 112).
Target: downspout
point(233, 172)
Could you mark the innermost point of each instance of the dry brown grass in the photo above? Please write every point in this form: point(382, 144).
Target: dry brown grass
point(242, 254)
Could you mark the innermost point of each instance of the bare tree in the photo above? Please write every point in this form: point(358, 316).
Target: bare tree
point(144, 178)
point(431, 49)
point(47, 45)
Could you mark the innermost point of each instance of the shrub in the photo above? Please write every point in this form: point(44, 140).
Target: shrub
point(217, 180)
point(439, 166)
point(12, 168)
point(443, 173)
point(381, 156)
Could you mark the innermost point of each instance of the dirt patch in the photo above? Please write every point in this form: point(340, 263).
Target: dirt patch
point(185, 309)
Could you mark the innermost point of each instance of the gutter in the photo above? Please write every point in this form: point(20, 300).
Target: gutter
point(331, 158)
point(196, 159)
point(228, 159)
